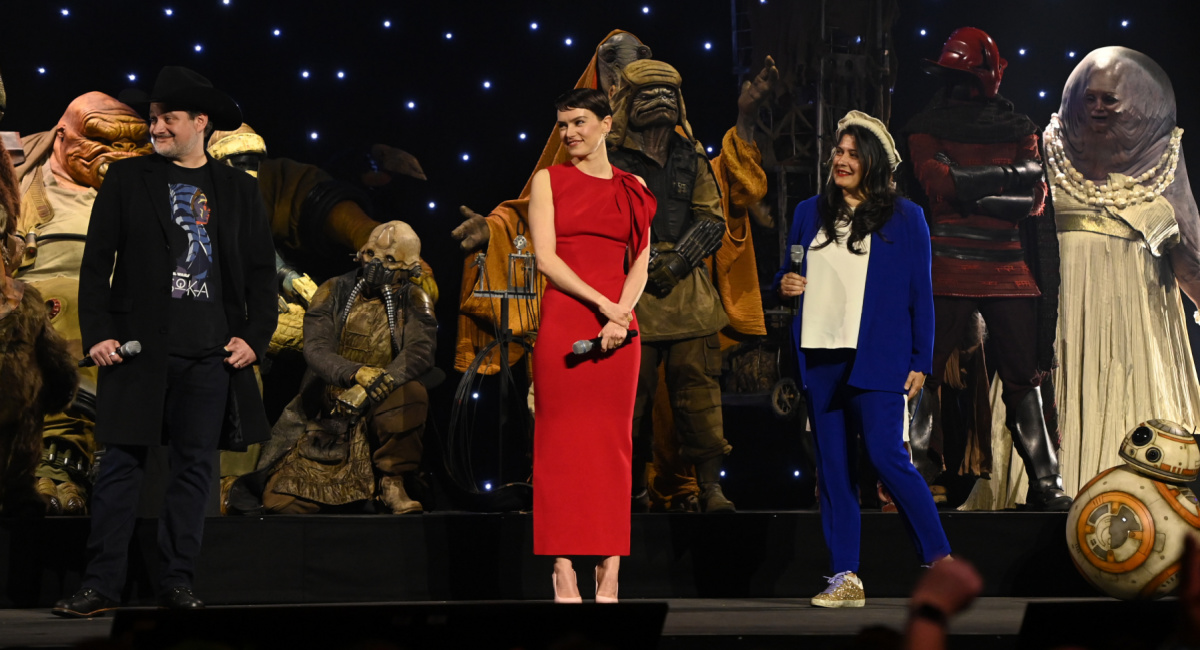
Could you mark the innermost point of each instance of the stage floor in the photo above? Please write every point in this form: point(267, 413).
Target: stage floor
point(489, 557)
point(690, 623)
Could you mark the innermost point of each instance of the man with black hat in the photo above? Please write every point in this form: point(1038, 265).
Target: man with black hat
point(193, 281)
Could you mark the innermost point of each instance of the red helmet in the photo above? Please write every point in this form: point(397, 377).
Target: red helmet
point(972, 51)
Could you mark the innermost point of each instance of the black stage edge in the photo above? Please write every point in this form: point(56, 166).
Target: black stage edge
point(482, 626)
point(467, 556)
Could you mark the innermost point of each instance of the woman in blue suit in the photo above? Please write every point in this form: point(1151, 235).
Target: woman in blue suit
point(864, 338)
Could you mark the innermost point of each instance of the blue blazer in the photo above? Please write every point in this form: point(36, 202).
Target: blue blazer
point(895, 335)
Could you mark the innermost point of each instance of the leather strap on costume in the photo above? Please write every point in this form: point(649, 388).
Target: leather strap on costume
point(1092, 222)
point(700, 241)
point(969, 232)
point(978, 254)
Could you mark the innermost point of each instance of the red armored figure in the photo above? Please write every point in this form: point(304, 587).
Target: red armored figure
point(978, 164)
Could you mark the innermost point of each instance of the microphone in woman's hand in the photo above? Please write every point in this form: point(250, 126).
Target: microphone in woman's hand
point(796, 254)
point(584, 346)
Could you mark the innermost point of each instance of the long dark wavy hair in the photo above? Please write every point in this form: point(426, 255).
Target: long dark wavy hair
point(878, 189)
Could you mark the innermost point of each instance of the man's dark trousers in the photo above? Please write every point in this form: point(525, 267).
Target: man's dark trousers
point(195, 406)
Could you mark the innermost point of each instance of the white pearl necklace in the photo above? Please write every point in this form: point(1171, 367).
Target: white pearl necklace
point(1131, 192)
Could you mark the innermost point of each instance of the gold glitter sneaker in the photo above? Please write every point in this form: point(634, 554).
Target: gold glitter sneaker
point(844, 590)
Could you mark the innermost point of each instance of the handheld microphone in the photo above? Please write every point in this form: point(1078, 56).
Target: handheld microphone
point(587, 345)
point(796, 254)
point(128, 351)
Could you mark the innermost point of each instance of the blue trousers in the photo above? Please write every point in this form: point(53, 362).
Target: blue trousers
point(195, 406)
point(839, 413)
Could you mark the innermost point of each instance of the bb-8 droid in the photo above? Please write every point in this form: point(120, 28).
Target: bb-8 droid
point(1126, 527)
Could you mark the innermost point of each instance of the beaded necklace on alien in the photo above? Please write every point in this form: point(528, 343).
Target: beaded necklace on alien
point(1131, 192)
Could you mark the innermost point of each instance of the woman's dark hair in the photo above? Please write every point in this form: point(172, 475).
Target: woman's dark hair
point(878, 190)
point(591, 99)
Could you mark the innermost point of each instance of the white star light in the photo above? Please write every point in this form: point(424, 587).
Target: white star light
point(645, 9)
point(709, 149)
point(707, 45)
point(1071, 54)
point(487, 84)
point(722, 473)
point(411, 105)
point(449, 35)
point(277, 32)
point(796, 473)
point(1124, 23)
point(224, 2)
point(521, 136)
point(432, 205)
point(304, 73)
point(1021, 51)
point(41, 71)
point(466, 157)
point(313, 135)
point(923, 32)
point(533, 26)
point(341, 74)
point(64, 11)
point(387, 24)
point(486, 486)
point(1041, 93)
point(198, 47)
point(169, 11)
point(131, 76)
point(568, 41)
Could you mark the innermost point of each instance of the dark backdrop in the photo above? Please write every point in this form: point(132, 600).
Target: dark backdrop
point(97, 45)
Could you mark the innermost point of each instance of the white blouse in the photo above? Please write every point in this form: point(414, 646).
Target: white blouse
point(833, 297)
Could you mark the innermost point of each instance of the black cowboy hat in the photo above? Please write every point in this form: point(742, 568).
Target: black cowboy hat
point(181, 89)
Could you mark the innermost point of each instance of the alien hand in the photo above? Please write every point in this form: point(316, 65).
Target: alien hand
point(473, 233)
point(376, 381)
point(352, 401)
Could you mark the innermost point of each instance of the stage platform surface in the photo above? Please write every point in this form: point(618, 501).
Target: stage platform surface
point(468, 556)
point(749, 623)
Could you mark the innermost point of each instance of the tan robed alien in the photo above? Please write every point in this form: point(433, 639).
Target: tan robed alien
point(59, 177)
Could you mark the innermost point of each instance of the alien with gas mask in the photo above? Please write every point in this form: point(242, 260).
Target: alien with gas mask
point(353, 434)
point(59, 176)
point(315, 220)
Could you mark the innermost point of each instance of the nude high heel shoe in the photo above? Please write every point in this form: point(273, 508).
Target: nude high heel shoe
point(561, 599)
point(602, 599)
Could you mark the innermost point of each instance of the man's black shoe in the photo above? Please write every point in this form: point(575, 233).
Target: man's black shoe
point(85, 603)
point(180, 598)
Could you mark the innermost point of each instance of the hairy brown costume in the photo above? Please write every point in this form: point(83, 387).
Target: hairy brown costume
point(36, 370)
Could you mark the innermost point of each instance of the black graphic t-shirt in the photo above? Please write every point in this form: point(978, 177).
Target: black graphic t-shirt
point(197, 316)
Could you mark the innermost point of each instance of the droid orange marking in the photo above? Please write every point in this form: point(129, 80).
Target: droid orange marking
point(1171, 494)
point(1086, 532)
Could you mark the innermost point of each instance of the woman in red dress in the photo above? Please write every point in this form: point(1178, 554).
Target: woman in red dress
point(590, 224)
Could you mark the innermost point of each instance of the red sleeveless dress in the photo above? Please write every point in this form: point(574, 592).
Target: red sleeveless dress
point(583, 407)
